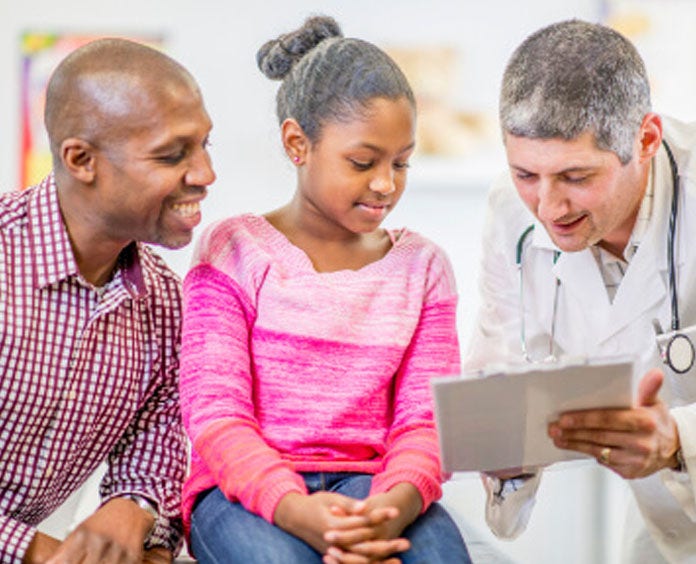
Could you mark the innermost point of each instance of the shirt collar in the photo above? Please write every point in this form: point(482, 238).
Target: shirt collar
point(642, 219)
point(53, 256)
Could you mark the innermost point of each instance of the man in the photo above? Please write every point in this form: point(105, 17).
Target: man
point(591, 162)
point(89, 316)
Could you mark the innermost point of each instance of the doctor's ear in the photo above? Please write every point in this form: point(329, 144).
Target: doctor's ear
point(649, 136)
point(78, 157)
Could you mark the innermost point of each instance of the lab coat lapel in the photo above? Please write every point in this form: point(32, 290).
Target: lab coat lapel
point(581, 279)
point(645, 282)
point(642, 287)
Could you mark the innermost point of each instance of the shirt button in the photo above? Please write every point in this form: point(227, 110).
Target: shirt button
point(72, 394)
point(49, 472)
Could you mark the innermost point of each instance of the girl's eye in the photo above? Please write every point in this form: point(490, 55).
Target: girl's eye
point(402, 165)
point(361, 165)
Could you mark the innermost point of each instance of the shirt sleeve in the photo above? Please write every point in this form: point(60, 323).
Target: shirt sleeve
point(217, 395)
point(412, 447)
point(15, 538)
point(151, 455)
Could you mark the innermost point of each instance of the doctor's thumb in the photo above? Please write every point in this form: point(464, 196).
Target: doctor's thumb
point(649, 387)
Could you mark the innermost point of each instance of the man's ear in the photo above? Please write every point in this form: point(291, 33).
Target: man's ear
point(295, 141)
point(78, 157)
point(650, 136)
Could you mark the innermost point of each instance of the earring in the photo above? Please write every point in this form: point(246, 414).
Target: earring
point(296, 159)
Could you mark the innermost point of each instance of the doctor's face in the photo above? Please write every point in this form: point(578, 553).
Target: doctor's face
point(581, 194)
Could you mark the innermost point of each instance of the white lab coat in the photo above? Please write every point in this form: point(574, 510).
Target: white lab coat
point(587, 324)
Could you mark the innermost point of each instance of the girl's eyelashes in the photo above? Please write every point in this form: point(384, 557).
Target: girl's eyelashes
point(361, 165)
point(366, 165)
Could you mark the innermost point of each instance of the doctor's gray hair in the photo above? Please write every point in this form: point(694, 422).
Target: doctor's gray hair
point(327, 77)
point(572, 77)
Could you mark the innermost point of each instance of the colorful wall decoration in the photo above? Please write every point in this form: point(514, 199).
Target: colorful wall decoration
point(41, 53)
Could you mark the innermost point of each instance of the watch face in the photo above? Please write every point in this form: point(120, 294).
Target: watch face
point(680, 353)
point(144, 503)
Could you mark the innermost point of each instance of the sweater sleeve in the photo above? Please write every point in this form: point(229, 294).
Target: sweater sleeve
point(217, 394)
point(412, 447)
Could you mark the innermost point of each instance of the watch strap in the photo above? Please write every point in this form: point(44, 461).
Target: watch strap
point(146, 505)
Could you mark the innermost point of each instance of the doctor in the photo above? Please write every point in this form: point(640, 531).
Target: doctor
point(606, 269)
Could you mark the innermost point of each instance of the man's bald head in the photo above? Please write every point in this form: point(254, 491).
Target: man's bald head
point(98, 92)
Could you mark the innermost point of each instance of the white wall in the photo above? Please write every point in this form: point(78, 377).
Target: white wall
point(217, 41)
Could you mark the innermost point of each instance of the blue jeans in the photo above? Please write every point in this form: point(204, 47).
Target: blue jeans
point(223, 532)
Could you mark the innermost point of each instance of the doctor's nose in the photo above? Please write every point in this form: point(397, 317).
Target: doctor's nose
point(551, 203)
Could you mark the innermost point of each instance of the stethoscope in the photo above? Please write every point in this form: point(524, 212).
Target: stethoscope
point(676, 349)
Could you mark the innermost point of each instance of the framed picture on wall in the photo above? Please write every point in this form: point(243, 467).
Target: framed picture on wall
point(40, 54)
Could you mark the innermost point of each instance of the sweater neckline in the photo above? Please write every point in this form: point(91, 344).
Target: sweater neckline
point(281, 247)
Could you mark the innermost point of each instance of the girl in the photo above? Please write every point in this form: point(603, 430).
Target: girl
point(310, 336)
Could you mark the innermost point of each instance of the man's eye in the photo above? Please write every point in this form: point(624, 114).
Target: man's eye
point(576, 179)
point(524, 176)
point(173, 158)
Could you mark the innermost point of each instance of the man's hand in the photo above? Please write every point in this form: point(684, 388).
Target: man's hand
point(634, 442)
point(114, 534)
point(158, 556)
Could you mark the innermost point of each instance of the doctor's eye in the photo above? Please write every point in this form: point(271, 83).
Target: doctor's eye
point(524, 176)
point(576, 179)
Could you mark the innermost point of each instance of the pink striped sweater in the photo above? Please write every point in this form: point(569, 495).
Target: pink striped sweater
point(287, 370)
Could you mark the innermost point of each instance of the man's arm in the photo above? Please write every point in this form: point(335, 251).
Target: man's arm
point(15, 539)
point(150, 461)
point(113, 534)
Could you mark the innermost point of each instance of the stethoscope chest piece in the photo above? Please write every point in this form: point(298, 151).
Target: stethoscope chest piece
point(679, 353)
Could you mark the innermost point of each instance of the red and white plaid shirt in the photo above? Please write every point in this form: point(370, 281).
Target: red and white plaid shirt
point(86, 374)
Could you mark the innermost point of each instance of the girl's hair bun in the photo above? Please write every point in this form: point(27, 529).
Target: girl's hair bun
point(276, 57)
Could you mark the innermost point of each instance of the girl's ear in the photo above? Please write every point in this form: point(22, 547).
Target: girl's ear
point(79, 159)
point(295, 141)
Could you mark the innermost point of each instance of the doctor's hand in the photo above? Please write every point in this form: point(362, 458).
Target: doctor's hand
point(633, 442)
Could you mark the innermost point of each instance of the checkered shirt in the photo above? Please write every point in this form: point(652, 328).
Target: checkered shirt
point(86, 375)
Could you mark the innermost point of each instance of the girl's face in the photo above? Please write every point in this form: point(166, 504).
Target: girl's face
point(354, 175)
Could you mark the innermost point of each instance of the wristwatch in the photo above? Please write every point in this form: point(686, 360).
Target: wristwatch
point(147, 505)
